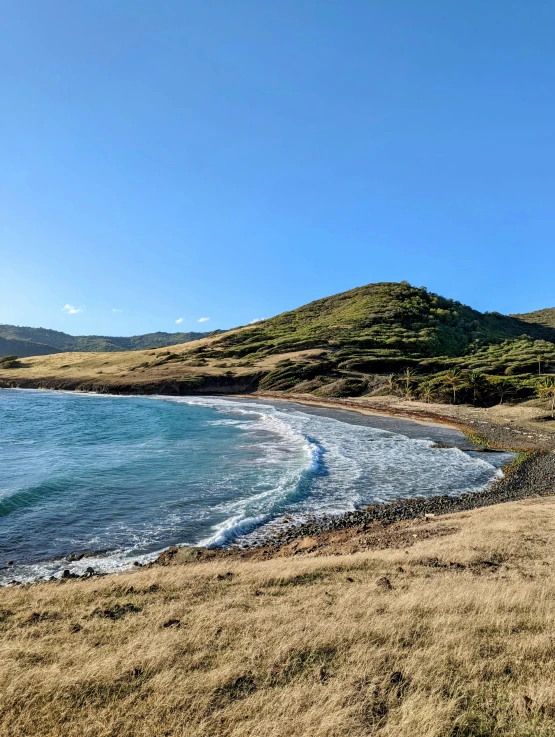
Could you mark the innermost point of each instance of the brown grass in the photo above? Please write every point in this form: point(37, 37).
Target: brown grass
point(452, 637)
point(136, 367)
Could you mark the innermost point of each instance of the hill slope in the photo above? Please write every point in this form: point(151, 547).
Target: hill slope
point(22, 348)
point(55, 341)
point(541, 318)
point(357, 342)
point(385, 316)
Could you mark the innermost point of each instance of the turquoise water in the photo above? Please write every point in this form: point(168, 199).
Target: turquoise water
point(121, 478)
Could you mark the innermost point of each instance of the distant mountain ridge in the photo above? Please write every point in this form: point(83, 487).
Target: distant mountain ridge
point(22, 348)
point(25, 341)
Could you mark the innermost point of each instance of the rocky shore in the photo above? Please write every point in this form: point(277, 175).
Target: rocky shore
point(180, 386)
point(534, 476)
point(531, 474)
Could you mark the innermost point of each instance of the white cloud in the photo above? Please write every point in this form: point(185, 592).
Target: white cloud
point(116, 309)
point(71, 310)
point(203, 319)
point(256, 319)
point(179, 321)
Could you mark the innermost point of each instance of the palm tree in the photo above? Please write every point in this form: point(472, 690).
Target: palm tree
point(408, 377)
point(454, 379)
point(475, 381)
point(392, 382)
point(427, 393)
point(502, 388)
point(547, 389)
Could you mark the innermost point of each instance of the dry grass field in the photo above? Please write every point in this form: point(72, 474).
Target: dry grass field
point(136, 367)
point(452, 635)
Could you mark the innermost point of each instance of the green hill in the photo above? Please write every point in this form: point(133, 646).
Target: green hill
point(22, 339)
point(387, 328)
point(379, 338)
point(377, 321)
point(544, 320)
point(23, 348)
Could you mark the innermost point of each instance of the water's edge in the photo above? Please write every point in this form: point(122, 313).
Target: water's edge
point(450, 436)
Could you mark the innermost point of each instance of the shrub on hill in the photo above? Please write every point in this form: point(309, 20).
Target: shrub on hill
point(385, 316)
point(286, 377)
point(347, 387)
point(8, 362)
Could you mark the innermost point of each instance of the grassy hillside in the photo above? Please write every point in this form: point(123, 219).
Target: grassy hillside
point(11, 347)
point(541, 319)
point(447, 633)
point(379, 320)
point(380, 338)
point(56, 341)
point(388, 328)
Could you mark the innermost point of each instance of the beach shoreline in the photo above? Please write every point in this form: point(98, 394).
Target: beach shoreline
point(475, 422)
point(530, 476)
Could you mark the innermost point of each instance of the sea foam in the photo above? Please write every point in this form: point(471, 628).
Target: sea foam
point(119, 479)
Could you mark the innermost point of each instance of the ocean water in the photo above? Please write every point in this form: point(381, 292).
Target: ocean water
point(119, 479)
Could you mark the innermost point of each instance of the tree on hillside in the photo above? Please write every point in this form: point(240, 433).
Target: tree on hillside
point(546, 390)
point(454, 380)
point(475, 381)
point(541, 360)
point(408, 378)
point(502, 387)
point(427, 393)
point(392, 383)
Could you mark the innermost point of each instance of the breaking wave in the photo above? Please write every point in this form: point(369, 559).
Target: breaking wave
point(111, 482)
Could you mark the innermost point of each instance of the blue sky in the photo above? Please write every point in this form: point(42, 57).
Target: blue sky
point(231, 159)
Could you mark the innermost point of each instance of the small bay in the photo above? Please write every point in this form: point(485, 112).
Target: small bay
point(118, 479)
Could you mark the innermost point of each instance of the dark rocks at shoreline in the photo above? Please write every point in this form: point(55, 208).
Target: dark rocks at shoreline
point(534, 477)
point(508, 437)
point(203, 384)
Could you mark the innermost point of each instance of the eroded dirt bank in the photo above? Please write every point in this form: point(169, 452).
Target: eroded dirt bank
point(205, 384)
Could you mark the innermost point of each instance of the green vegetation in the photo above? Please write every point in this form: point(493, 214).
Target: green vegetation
point(433, 348)
point(9, 346)
point(379, 324)
point(289, 375)
point(543, 320)
point(7, 362)
point(378, 339)
point(40, 341)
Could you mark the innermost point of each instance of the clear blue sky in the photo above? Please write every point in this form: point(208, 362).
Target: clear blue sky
point(232, 159)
